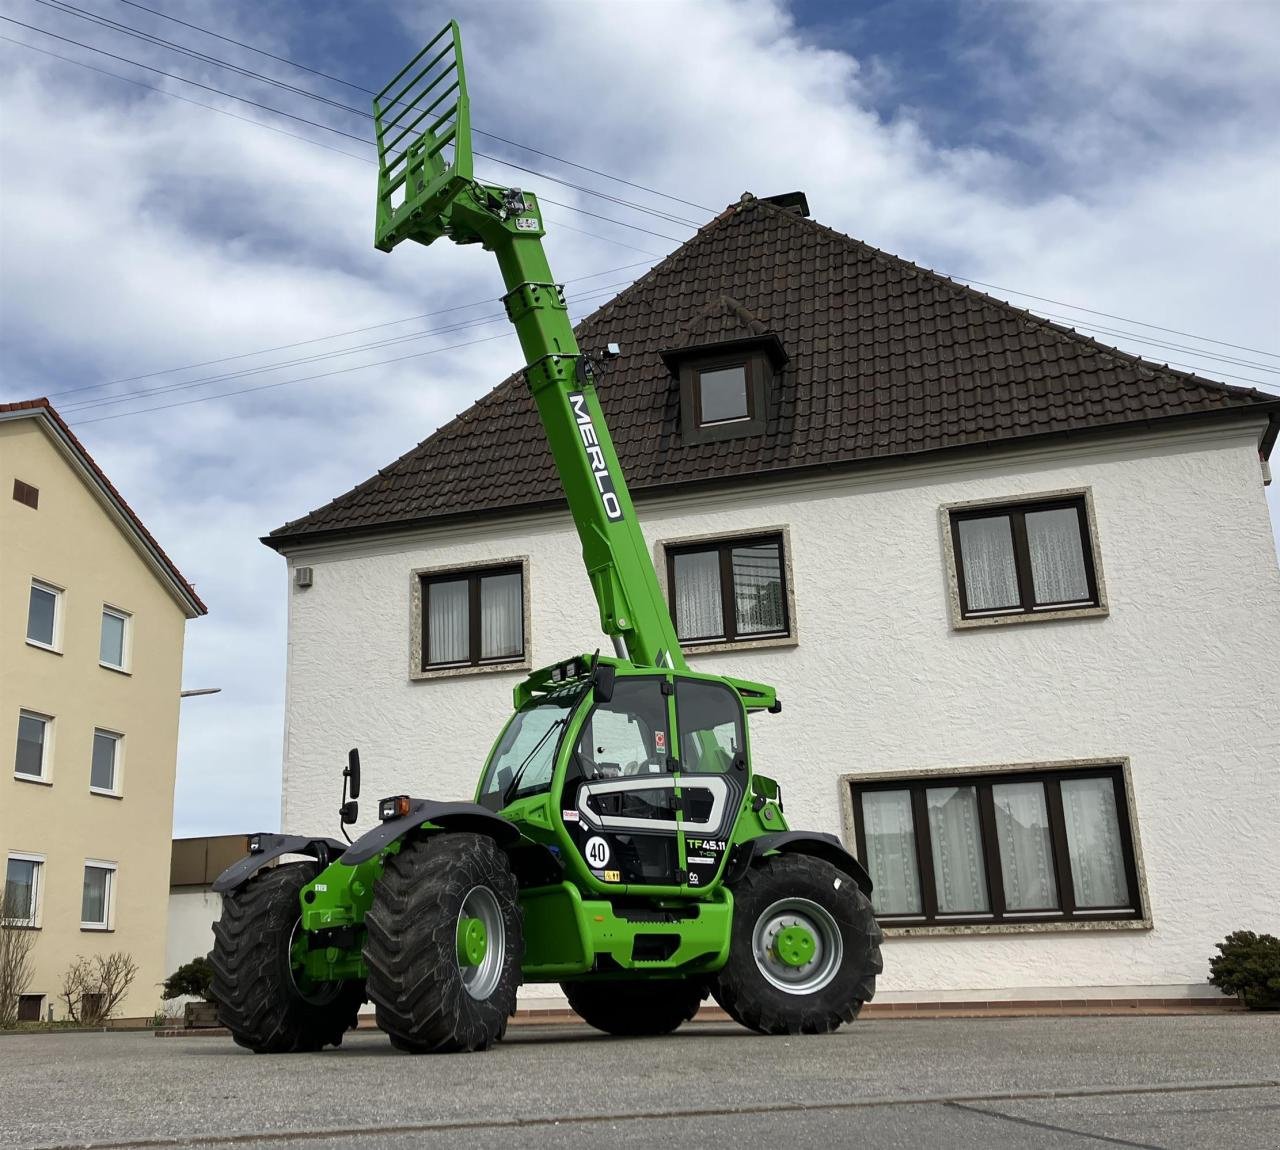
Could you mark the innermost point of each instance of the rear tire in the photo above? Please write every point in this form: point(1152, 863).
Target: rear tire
point(428, 1001)
point(258, 998)
point(764, 992)
point(635, 1009)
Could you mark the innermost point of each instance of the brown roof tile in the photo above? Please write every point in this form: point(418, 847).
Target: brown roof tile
point(886, 359)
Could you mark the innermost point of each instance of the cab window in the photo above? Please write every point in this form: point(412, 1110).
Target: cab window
point(711, 726)
point(627, 735)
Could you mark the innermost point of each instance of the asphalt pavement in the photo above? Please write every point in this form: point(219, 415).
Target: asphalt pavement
point(1168, 1082)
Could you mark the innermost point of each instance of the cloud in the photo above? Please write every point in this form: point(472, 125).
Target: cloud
point(1124, 159)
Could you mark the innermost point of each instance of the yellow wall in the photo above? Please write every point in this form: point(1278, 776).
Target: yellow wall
point(72, 542)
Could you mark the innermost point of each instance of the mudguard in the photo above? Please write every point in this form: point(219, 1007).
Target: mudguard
point(447, 816)
point(266, 848)
point(814, 843)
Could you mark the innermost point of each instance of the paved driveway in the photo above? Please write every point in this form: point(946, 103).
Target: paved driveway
point(994, 1083)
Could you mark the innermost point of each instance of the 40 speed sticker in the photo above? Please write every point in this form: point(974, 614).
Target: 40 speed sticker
point(596, 851)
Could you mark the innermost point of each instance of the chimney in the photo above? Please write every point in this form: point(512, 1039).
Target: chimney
point(792, 201)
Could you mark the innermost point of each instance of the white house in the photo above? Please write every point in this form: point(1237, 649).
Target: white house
point(1016, 589)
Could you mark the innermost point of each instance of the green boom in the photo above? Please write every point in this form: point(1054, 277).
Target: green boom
point(425, 191)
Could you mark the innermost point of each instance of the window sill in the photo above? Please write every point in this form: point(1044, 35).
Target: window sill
point(714, 646)
point(43, 647)
point(89, 928)
point(106, 794)
point(516, 667)
point(24, 925)
point(1064, 926)
point(117, 670)
point(23, 778)
point(958, 624)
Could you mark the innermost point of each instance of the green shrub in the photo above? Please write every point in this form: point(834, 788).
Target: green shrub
point(194, 978)
point(1248, 966)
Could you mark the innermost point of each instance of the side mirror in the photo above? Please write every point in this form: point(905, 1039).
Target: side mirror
point(602, 680)
point(349, 812)
point(352, 775)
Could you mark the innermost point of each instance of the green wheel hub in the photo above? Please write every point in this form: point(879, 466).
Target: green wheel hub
point(794, 945)
point(473, 941)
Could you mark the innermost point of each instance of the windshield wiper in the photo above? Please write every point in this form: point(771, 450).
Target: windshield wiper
point(509, 790)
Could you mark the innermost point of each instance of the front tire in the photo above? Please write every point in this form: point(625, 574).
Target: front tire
point(435, 991)
point(804, 951)
point(636, 1009)
point(260, 1000)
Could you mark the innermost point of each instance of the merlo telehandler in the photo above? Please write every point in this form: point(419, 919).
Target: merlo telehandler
point(620, 842)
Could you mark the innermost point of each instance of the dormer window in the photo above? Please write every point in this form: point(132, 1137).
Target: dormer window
point(726, 364)
point(722, 395)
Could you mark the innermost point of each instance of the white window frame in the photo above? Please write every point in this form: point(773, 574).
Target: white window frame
point(109, 902)
point(116, 789)
point(126, 644)
point(57, 593)
point(46, 749)
point(37, 892)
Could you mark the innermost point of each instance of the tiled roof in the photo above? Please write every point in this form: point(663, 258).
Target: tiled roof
point(886, 360)
point(43, 409)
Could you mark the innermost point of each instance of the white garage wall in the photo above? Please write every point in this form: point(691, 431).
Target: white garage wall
point(1182, 678)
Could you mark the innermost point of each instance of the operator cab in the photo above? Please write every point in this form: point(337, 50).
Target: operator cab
point(645, 768)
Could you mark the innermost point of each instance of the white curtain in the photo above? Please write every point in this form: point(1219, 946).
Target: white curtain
point(1057, 558)
point(1026, 859)
point(958, 869)
point(501, 616)
point(757, 589)
point(891, 852)
point(699, 609)
point(447, 608)
point(986, 550)
point(1093, 842)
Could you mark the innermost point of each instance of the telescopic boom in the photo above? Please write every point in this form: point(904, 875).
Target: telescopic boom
point(425, 191)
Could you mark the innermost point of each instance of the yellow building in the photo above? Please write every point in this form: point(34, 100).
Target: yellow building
point(92, 620)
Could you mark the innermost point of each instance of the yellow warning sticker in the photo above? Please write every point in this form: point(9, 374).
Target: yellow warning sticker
point(612, 876)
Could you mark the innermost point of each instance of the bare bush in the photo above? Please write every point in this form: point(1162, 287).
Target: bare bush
point(16, 940)
point(92, 988)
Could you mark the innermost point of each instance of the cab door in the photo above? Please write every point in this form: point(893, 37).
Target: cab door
point(619, 800)
point(713, 772)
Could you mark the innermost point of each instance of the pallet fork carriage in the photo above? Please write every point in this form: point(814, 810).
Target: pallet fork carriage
point(620, 842)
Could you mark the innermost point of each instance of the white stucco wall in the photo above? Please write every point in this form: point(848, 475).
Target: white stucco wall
point(192, 912)
point(1182, 679)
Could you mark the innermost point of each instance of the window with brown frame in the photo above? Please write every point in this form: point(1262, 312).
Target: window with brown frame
point(473, 618)
point(1007, 847)
point(725, 396)
point(729, 590)
point(1024, 558)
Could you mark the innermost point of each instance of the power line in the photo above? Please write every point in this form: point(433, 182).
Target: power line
point(370, 92)
point(1109, 315)
point(71, 9)
point(160, 41)
point(1084, 325)
point(301, 379)
point(185, 99)
point(315, 123)
point(332, 335)
point(186, 385)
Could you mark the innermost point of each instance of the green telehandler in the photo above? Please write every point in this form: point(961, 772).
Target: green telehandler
point(620, 842)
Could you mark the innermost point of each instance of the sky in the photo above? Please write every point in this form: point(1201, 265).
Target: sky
point(191, 279)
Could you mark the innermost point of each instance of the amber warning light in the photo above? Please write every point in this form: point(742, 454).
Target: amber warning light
point(393, 808)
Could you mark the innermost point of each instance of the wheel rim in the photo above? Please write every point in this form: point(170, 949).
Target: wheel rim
point(307, 989)
point(773, 941)
point(482, 978)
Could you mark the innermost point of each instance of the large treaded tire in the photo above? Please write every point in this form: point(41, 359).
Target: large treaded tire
point(411, 946)
point(258, 1000)
point(636, 1009)
point(741, 986)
